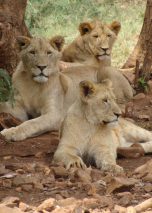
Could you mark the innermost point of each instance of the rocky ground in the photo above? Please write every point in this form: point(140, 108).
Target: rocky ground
point(29, 182)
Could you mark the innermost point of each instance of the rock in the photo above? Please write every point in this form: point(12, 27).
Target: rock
point(20, 171)
point(7, 183)
point(10, 201)
point(125, 200)
point(26, 179)
point(27, 187)
point(60, 171)
point(39, 154)
point(3, 170)
point(90, 203)
point(5, 209)
point(67, 201)
point(144, 117)
point(24, 207)
point(18, 189)
point(139, 96)
point(120, 183)
point(7, 157)
point(122, 194)
point(47, 205)
point(148, 187)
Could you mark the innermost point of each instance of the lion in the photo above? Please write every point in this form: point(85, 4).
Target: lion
point(91, 54)
point(41, 91)
point(93, 128)
point(95, 39)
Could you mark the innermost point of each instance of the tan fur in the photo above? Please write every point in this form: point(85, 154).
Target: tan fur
point(91, 127)
point(43, 94)
point(93, 39)
point(92, 58)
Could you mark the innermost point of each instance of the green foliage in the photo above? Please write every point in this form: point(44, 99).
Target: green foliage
point(48, 18)
point(143, 84)
point(6, 90)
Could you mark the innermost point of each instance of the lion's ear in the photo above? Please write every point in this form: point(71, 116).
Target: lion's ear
point(23, 41)
point(115, 26)
point(57, 42)
point(85, 27)
point(87, 88)
point(107, 83)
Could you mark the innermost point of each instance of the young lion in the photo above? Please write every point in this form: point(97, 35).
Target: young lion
point(40, 89)
point(95, 39)
point(91, 127)
point(92, 49)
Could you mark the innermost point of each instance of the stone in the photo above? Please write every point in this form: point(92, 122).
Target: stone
point(24, 207)
point(7, 157)
point(7, 183)
point(148, 187)
point(25, 179)
point(47, 205)
point(18, 189)
point(10, 201)
point(5, 209)
point(27, 187)
point(139, 96)
point(144, 117)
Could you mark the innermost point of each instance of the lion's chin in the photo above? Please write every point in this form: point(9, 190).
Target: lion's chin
point(103, 57)
point(40, 79)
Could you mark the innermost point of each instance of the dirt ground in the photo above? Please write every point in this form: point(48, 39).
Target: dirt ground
point(26, 173)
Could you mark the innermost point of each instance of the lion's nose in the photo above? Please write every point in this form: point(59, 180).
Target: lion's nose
point(105, 49)
point(117, 114)
point(41, 67)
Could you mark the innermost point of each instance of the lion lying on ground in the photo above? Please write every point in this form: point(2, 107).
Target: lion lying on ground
point(95, 39)
point(93, 50)
point(92, 128)
point(41, 91)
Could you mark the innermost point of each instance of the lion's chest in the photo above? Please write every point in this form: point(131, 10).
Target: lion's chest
point(33, 100)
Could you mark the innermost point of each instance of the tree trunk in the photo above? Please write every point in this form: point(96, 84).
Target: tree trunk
point(11, 25)
point(142, 53)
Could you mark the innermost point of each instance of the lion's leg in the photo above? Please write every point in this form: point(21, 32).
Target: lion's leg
point(135, 134)
point(32, 128)
point(69, 157)
point(104, 152)
point(14, 110)
point(106, 161)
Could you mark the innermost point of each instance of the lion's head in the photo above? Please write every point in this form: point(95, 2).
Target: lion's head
point(99, 38)
point(40, 56)
point(99, 102)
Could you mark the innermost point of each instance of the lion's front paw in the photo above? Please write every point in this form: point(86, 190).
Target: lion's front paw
point(75, 162)
point(113, 168)
point(13, 134)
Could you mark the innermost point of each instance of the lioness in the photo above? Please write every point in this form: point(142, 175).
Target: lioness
point(92, 127)
point(93, 49)
point(41, 91)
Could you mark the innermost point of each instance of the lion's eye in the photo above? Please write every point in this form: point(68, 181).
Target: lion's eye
point(95, 36)
point(49, 52)
point(109, 35)
point(32, 52)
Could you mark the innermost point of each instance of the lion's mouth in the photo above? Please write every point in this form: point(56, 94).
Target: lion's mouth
point(41, 74)
point(104, 54)
point(110, 122)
